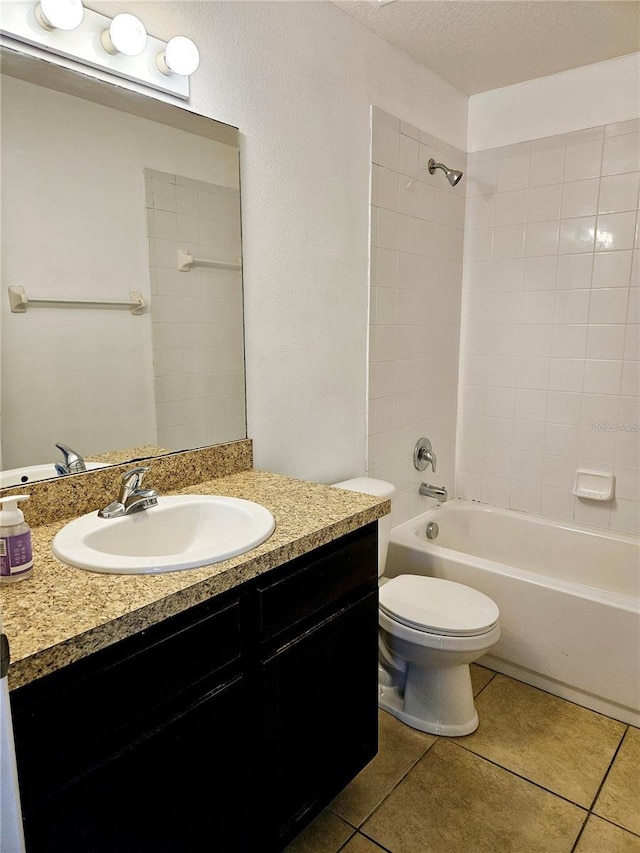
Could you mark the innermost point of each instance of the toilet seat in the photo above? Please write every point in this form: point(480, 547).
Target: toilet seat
point(438, 606)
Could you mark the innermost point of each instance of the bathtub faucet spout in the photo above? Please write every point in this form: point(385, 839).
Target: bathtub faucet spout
point(430, 491)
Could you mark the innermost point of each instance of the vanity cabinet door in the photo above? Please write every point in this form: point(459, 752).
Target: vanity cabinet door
point(320, 718)
point(79, 716)
point(181, 788)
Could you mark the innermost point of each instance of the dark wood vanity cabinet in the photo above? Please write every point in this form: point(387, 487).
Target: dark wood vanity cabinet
point(227, 727)
point(118, 751)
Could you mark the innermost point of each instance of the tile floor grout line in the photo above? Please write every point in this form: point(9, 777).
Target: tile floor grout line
point(520, 776)
point(377, 843)
point(399, 782)
point(582, 829)
point(348, 841)
point(390, 791)
point(617, 825)
point(484, 686)
point(608, 770)
point(606, 820)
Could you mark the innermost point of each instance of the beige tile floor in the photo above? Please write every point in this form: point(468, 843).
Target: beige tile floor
point(540, 775)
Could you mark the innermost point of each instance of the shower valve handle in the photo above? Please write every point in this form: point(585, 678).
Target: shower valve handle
point(424, 455)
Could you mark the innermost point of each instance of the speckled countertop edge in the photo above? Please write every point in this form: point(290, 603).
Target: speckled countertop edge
point(62, 614)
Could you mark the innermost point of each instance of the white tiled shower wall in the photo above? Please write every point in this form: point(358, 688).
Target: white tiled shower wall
point(197, 323)
point(549, 377)
point(417, 224)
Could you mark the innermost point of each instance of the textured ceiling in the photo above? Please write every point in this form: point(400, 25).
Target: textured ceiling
point(478, 45)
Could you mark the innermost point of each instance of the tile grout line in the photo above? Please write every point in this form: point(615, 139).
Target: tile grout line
point(617, 825)
point(377, 843)
point(484, 686)
point(389, 792)
point(348, 840)
point(582, 829)
point(608, 770)
point(597, 794)
point(520, 776)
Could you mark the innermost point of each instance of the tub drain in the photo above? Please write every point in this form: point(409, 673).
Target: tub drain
point(432, 530)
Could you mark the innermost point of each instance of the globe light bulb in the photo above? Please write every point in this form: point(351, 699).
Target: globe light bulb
point(59, 14)
point(126, 35)
point(179, 57)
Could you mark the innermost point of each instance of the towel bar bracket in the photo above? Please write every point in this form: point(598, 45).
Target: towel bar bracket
point(186, 261)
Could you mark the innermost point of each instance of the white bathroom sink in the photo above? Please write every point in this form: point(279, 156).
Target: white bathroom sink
point(34, 473)
point(181, 532)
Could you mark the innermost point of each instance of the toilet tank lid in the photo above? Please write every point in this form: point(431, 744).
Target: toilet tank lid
point(368, 486)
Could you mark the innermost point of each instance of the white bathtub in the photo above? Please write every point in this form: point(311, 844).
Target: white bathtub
point(569, 597)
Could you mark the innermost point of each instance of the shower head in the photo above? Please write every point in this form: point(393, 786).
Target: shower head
point(453, 175)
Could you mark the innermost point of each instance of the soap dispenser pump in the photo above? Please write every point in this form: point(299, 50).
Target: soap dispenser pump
point(16, 557)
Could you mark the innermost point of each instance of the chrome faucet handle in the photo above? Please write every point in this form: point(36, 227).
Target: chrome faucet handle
point(131, 482)
point(134, 476)
point(424, 455)
point(73, 462)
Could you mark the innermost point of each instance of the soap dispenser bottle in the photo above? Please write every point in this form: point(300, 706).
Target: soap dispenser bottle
point(16, 558)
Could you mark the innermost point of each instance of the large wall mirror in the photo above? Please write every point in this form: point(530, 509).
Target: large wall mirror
point(109, 196)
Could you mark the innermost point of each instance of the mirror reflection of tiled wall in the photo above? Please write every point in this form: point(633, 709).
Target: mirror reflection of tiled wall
point(198, 350)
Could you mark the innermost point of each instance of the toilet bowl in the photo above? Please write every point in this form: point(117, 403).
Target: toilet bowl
point(430, 630)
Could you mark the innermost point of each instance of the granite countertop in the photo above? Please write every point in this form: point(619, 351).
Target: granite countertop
point(61, 614)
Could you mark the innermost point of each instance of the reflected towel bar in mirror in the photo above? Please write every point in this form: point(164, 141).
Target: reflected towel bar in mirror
point(186, 261)
point(19, 302)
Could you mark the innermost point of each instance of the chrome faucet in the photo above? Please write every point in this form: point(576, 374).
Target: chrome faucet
point(73, 462)
point(131, 497)
point(430, 491)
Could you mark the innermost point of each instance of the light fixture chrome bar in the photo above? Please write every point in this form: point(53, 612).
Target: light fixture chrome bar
point(84, 45)
point(19, 302)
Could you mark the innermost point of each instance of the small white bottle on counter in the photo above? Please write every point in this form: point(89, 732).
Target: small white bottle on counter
point(16, 557)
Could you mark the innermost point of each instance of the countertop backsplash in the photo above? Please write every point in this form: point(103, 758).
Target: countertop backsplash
point(69, 497)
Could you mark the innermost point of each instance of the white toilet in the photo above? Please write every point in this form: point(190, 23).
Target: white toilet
point(430, 631)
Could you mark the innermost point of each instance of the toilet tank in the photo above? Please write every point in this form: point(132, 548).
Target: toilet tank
point(378, 488)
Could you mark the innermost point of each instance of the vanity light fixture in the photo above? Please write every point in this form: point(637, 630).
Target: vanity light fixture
point(126, 34)
point(59, 14)
point(118, 47)
point(179, 57)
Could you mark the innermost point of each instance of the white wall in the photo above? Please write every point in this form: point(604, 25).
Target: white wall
point(602, 93)
point(298, 79)
point(417, 222)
